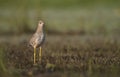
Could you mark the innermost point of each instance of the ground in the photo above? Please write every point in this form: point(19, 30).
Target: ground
point(65, 55)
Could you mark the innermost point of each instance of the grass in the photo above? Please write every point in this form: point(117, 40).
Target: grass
point(93, 21)
point(1, 62)
point(59, 4)
point(3, 69)
point(90, 17)
point(81, 54)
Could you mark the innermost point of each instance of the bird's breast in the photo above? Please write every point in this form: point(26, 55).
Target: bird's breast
point(37, 40)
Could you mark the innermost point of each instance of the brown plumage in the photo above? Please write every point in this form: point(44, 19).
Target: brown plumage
point(38, 39)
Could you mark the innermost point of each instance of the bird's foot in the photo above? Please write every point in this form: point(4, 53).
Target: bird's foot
point(35, 64)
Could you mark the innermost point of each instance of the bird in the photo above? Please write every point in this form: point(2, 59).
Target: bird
point(37, 40)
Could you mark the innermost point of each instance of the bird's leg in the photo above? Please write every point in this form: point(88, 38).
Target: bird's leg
point(40, 54)
point(34, 55)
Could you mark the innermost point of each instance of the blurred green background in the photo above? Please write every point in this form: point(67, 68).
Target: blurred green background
point(85, 17)
point(63, 16)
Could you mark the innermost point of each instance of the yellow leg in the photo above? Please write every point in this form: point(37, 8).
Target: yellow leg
point(40, 54)
point(34, 55)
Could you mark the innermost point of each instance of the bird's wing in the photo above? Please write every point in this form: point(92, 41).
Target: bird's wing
point(41, 38)
point(33, 40)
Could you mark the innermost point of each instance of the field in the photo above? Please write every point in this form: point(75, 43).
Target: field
point(82, 38)
point(63, 55)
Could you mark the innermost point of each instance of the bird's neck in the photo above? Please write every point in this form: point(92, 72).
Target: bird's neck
point(39, 29)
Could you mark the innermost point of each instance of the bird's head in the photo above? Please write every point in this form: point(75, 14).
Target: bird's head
point(41, 23)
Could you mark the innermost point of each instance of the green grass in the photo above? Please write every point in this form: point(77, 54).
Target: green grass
point(3, 69)
point(59, 3)
point(93, 21)
point(2, 61)
point(90, 17)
